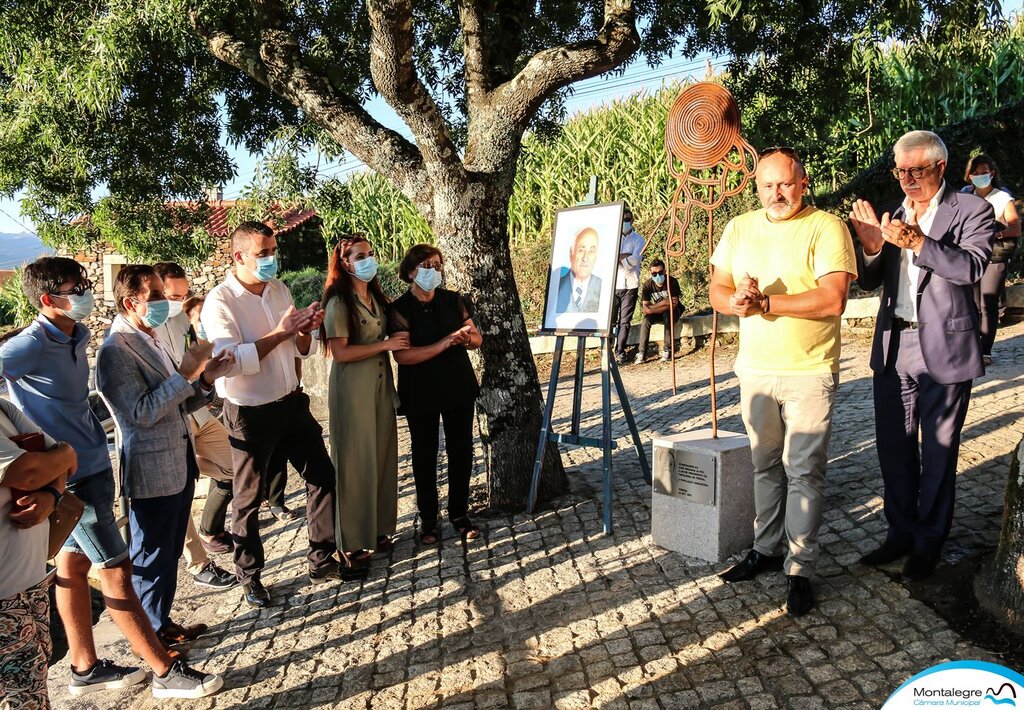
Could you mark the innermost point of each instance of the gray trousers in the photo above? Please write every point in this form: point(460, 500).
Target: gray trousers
point(789, 421)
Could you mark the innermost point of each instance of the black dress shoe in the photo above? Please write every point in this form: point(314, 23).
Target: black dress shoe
point(888, 552)
point(334, 571)
point(919, 566)
point(256, 595)
point(800, 599)
point(754, 564)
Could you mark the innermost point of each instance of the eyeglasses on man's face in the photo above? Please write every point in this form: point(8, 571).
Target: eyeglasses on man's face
point(78, 290)
point(917, 172)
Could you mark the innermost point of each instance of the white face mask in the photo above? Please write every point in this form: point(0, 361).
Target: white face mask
point(427, 279)
point(174, 308)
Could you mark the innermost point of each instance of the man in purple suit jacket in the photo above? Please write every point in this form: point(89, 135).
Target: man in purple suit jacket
point(926, 349)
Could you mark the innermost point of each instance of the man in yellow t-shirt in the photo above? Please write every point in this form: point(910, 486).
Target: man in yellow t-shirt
point(785, 270)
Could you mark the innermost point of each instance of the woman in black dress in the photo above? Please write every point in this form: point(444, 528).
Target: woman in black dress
point(436, 382)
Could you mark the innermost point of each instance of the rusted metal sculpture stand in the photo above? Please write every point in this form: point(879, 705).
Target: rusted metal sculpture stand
point(710, 162)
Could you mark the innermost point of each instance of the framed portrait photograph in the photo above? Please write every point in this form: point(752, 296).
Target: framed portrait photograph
point(581, 279)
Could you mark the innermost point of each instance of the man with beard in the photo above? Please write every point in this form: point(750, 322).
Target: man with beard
point(785, 270)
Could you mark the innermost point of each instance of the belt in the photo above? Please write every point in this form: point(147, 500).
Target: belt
point(900, 324)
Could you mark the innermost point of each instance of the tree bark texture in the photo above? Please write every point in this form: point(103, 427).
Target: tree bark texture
point(464, 198)
point(509, 407)
point(1000, 586)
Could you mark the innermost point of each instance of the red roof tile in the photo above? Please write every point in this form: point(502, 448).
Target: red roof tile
point(217, 222)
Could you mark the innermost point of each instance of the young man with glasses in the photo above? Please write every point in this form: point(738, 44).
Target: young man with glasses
point(47, 369)
point(785, 270)
point(926, 256)
point(252, 315)
point(654, 302)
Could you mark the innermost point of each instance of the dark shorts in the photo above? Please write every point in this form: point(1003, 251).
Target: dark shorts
point(96, 536)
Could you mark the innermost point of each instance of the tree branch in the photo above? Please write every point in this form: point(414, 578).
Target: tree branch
point(278, 65)
point(551, 69)
point(394, 74)
point(474, 51)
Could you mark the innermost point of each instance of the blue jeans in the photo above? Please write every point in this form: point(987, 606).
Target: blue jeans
point(96, 536)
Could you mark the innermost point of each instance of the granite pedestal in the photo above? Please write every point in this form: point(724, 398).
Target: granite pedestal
point(703, 494)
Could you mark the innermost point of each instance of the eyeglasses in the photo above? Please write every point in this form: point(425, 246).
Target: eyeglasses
point(435, 265)
point(78, 290)
point(916, 173)
point(657, 273)
point(785, 150)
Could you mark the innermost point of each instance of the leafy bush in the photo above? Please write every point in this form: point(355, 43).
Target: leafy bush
point(306, 285)
point(15, 308)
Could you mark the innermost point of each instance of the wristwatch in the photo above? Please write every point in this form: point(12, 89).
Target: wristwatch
point(57, 495)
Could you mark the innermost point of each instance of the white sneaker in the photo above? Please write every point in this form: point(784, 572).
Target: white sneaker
point(183, 681)
point(639, 359)
point(666, 356)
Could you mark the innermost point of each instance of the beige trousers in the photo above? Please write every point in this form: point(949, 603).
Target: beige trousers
point(788, 420)
point(213, 454)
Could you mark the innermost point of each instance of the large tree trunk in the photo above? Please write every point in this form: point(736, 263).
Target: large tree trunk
point(1000, 586)
point(510, 402)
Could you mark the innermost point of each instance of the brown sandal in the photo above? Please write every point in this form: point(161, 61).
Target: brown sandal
point(465, 528)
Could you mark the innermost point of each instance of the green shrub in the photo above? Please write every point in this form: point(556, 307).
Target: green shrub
point(15, 308)
point(306, 285)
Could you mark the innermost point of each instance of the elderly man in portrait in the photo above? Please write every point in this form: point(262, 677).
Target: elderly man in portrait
point(785, 270)
point(926, 351)
point(579, 290)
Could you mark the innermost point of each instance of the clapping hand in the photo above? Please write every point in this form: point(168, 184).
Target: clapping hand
point(219, 366)
point(194, 360)
point(868, 228)
point(904, 234)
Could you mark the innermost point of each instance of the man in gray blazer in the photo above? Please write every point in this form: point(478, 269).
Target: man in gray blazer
point(150, 399)
point(926, 349)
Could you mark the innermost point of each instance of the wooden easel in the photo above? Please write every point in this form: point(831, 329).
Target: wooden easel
point(609, 374)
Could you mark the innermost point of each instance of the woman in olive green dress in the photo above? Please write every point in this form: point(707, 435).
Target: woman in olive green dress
point(363, 430)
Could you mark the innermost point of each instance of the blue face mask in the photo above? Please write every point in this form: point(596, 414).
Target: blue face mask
point(658, 278)
point(365, 269)
point(266, 267)
point(81, 306)
point(427, 279)
point(981, 181)
point(201, 332)
point(156, 313)
point(627, 227)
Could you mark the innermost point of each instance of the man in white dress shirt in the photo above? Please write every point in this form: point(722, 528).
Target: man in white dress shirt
point(252, 314)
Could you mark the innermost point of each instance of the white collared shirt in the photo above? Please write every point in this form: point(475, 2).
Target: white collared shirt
point(628, 275)
point(910, 273)
point(234, 319)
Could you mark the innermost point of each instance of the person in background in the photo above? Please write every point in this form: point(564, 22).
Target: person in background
point(990, 293)
point(213, 452)
point(31, 484)
point(364, 433)
point(252, 315)
point(927, 348)
point(150, 398)
point(627, 282)
point(436, 382)
point(654, 302)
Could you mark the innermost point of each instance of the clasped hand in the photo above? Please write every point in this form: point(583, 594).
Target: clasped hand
point(747, 299)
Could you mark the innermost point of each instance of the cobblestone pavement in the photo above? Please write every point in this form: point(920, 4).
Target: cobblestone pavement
point(548, 612)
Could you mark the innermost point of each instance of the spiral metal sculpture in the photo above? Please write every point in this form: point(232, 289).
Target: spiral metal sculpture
point(710, 161)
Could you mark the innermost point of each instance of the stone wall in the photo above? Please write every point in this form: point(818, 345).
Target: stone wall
point(102, 263)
